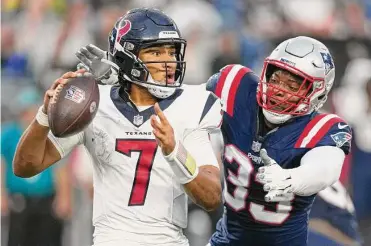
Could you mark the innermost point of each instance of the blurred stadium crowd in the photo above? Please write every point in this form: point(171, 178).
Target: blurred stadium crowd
point(38, 42)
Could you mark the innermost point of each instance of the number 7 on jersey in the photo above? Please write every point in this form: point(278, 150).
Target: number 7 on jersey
point(147, 149)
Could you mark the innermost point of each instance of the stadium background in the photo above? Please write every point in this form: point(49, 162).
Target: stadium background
point(39, 39)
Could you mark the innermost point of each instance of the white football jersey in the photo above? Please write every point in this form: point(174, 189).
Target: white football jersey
point(137, 198)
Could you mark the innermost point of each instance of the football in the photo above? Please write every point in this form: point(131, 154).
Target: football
point(73, 106)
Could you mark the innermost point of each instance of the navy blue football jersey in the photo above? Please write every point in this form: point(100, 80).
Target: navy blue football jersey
point(248, 219)
point(335, 206)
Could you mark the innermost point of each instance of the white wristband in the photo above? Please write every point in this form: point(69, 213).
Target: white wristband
point(42, 118)
point(183, 164)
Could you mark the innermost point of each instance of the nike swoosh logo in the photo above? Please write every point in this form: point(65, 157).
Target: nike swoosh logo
point(342, 126)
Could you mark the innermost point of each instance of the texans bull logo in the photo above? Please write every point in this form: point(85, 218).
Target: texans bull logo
point(117, 34)
point(122, 31)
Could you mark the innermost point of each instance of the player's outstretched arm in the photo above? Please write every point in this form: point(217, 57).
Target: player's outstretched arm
point(202, 183)
point(35, 151)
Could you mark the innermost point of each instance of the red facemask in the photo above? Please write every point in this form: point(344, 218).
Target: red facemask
point(278, 98)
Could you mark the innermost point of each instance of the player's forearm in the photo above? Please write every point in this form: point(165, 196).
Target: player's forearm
point(63, 181)
point(63, 188)
point(320, 168)
point(205, 190)
point(202, 183)
point(29, 158)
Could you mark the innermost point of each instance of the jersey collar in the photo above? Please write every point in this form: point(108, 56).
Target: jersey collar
point(130, 111)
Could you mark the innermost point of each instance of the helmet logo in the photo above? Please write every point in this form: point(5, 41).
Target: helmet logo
point(327, 59)
point(122, 31)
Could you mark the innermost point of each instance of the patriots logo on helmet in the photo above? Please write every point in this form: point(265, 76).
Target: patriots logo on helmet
point(341, 138)
point(327, 59)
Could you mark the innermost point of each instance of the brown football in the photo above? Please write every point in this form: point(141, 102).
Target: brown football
point(73, 106)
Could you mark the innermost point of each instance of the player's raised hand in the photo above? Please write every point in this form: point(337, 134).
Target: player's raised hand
point(276, 180)
point(58, 84)
point(163, 131)
point(98, 62)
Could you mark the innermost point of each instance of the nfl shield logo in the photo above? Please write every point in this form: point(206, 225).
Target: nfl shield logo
point(138, 120)
point(75, 94)
point(256, 146)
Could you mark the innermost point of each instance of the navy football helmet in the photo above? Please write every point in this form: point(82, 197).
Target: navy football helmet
point(141, 28)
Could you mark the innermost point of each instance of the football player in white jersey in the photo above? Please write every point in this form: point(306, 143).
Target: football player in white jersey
point(149, 140)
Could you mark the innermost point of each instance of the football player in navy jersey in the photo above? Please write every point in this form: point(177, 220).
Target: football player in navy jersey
point(332, 220)
point(279, 150)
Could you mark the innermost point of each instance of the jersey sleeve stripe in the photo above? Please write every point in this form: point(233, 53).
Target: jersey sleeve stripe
point(220, 84)
point(228, 83)
point(321, 133)
point(209, 103)
point(310, 125)
point(233, 89)
point(316, 129)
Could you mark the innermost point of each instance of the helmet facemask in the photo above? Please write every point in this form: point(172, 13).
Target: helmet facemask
point(311, 66)
point(282, 102)
point(134, 70)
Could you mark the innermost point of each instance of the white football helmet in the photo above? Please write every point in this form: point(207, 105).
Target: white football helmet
point(310, 60)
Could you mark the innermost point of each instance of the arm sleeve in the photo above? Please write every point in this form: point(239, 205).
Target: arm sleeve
point(197, 141)
point(65, 145)
point(199, 146)
point(319, 168)
point(211, 117)
point(217, 141)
